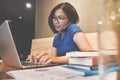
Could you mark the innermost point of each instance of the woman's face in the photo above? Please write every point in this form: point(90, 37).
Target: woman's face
point(60, 20)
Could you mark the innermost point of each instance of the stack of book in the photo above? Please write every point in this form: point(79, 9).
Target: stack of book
point(86, 62)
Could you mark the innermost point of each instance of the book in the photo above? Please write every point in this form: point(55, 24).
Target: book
point(86, 61)
point(87, 58)
point(84, 72)
point(85, 67)
point(82, 53)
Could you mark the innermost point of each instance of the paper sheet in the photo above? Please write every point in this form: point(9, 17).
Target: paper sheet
point(49, 73)
point(55, 73)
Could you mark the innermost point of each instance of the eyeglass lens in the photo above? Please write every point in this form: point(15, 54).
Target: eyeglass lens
point(59, 19)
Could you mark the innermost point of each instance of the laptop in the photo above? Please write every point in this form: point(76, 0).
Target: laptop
point(8, 51)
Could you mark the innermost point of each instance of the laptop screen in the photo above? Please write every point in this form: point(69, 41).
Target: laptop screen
point(8, 51)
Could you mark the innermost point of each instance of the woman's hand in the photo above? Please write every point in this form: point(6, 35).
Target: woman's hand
point(41, 58)
point(45, 59)
point(48, 57)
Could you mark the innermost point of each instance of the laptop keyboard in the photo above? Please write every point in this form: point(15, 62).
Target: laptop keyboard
point(27, 64)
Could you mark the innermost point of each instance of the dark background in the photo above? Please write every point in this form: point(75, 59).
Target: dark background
point(23, 29)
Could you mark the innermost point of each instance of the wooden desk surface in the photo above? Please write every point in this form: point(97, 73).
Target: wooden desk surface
point(3, 70)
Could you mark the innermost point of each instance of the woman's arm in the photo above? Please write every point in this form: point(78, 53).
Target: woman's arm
point(81, 41)
point(61, 60)
point(83, 44)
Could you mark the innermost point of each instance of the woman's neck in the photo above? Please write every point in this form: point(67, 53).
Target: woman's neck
point(63, 31)
point(62, 34)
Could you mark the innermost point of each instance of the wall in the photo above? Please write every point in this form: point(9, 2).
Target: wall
point(88, 10)
point(22, 23)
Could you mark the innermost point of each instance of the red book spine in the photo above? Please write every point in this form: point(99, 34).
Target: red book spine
point(95, 61)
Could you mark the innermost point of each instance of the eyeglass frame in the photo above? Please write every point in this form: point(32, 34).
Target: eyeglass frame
point(58, 19)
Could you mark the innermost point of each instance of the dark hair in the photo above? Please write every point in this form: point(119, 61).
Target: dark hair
point(69, 11)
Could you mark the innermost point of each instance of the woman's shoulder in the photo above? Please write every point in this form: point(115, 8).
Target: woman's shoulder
point(74, 27)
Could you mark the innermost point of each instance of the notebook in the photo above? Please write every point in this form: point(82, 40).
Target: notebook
point(8, 50)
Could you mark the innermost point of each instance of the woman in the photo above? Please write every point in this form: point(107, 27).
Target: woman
point(69, 37)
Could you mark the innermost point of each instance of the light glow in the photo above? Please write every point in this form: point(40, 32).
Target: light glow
point(28, 5)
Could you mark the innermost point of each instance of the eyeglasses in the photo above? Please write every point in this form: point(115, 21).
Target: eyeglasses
point(59, 19)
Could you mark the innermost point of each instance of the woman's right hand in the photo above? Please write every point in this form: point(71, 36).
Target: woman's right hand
point(41, 58)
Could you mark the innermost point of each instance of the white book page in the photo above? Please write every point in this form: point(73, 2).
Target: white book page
point(81, 61)
point(82, 54)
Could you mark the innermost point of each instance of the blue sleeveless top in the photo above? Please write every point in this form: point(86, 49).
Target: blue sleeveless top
point(66, 44)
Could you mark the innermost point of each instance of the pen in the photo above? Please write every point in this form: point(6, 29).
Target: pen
point(42, 69)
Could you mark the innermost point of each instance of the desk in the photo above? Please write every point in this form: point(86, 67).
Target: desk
point(3, 70)
point(4, 76)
